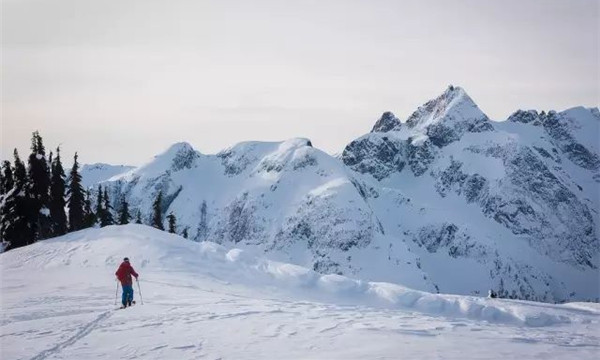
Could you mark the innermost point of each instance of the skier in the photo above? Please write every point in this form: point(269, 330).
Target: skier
point(124, 275)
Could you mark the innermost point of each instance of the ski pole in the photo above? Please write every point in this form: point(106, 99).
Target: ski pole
point(140, 291)
point(116, 292)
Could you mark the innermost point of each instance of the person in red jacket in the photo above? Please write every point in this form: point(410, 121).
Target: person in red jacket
point(124, 274)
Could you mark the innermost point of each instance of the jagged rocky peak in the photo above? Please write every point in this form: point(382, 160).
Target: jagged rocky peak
point(446, 118)
point(388, 121)
point(526, 117)
point(453, 105)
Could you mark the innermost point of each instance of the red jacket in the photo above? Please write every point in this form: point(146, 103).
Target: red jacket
point(124, 273)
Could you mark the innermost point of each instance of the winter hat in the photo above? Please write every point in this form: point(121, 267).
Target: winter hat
point(126, 259)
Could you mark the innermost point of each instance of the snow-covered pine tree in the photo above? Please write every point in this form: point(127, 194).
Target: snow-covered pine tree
point(99, 205)
point(157, 212)
point(89, 218)
point(184, 233)
point(58, 217)
point(172, 223)
point(7, 182)
point(138, 218)
point(76, 198)
point(15, 228)
point(124, 215)
point(107, 217)
point(39, 188)
point(1, 183)
point(202, 230)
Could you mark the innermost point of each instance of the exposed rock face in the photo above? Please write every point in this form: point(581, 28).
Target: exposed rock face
point(447, 201)
point(388, 121)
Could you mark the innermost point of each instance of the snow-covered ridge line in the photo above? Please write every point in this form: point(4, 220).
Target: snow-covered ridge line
point(154, 250)
point(91, 174)
point(447, 202)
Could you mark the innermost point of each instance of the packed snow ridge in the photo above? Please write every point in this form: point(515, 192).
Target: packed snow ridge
point(158, 251)
point(447, 201)
point(60, 293)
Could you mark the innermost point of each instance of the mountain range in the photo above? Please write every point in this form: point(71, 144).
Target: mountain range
point(446, 201)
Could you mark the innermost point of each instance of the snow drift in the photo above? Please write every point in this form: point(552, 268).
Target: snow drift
point(100, 251)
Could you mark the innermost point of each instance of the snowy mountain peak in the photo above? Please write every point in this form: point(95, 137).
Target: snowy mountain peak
point(178, 156)
point(388, 121)
point(446, 118)
point(437, 109)
point(176, 149)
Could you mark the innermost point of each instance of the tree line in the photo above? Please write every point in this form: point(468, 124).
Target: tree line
point(39, 201)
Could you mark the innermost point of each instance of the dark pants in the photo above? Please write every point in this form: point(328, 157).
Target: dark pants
point(127, 294)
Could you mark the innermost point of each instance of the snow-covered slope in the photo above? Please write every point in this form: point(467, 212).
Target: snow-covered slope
point(92, 174)
point(58, 302)
point(287, 198)
point(447, 201)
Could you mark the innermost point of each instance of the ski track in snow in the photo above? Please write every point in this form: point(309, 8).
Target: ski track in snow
point(72, 340)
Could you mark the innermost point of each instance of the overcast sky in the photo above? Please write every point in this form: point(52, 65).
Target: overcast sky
point(119, 81)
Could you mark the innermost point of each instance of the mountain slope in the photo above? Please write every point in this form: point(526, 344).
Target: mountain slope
point(447, 201)
point(58, 303)
point(287, 198)
point(92, 174)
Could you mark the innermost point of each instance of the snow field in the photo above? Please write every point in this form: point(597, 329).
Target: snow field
point(204, 300)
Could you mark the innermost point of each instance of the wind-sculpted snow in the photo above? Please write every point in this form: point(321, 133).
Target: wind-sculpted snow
point(155, 250)
point(510, 206)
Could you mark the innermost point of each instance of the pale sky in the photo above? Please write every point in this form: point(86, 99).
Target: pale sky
point(120, 81)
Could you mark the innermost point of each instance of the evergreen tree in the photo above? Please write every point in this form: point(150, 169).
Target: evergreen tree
point(184, 233)
point(76, 198)
point(39, 188)
point(107, 217)
point(99, 205)
point(172, 223)
point(138, 218)
point(157, 212)
point(89, 218)
point(7, 182)
point(58, 217)
point(202, 230)
point(15, 215)
point(124, 216)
